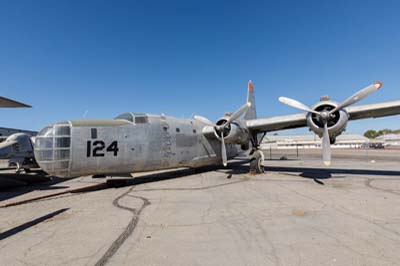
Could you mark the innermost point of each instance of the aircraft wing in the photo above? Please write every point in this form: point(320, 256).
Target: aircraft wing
point(373, 110)
point(277, 122)
point(5, 102)
point(299, 120)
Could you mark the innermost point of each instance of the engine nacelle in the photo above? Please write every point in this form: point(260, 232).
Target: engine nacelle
point(336, 124)
point(234, 133)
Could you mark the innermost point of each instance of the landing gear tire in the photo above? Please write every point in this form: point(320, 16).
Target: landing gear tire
point(257, 163)
point(19, 168)
point(27, 170)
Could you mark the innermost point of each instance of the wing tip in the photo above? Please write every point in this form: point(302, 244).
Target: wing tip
point(250, 86)
point(378, 85)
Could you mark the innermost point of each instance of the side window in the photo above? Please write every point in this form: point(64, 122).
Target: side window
point(94, 133)
point(141, 119)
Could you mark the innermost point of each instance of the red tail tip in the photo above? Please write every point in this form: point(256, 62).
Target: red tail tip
point(250, 86)
point(378, 84)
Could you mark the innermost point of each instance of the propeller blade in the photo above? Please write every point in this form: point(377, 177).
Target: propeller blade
point(203, 120)
point(238, 113)
point(223, 150)
point(296, 104)
point(361, 94)
point(326, 146)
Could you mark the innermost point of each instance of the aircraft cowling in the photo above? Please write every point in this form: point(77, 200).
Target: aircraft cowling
point(234, 133)
point(336, 124)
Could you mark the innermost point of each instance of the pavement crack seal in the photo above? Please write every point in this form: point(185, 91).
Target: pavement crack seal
point(369, 181)
point(129, 228)
point(192, 188)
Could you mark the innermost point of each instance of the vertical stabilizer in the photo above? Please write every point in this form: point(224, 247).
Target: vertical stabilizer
point(251, 113)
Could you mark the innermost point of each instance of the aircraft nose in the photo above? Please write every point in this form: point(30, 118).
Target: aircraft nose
point(53, 149)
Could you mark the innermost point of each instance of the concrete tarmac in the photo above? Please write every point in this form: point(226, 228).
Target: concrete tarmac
point(297, 213)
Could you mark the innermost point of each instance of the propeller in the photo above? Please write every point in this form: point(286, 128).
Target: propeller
point(223, 150)
point(326, 146)
point(297, 104)
point(325, 115)
point(238, 113)
point(361, 94)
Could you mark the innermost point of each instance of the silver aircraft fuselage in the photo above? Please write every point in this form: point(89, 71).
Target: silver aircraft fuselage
point(152, 142)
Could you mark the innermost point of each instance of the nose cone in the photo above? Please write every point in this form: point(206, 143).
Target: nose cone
point(53, 149)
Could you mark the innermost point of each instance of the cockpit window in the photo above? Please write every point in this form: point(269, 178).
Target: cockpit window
point(137, 118)
point(47, 132)
point(126, 116)
point(63, 131)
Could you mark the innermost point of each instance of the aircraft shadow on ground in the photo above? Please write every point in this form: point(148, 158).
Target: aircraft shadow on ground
point(332, 171)
point(318, 174)
point(233, 168)
point(13, 185)
point(29, 224)
point(236, 167)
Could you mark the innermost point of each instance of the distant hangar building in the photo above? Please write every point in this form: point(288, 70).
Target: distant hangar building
point(312, 141)
point(389, 140)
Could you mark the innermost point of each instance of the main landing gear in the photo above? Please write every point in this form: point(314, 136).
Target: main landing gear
point(257, 163)
point(257, 156)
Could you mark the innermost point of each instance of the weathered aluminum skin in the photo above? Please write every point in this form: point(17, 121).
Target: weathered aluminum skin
point(161, 143)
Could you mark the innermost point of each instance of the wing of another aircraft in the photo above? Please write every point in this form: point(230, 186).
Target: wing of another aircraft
point(5, 102)
point(6, 132)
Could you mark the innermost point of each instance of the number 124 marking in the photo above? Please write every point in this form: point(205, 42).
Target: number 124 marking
point(96, 149)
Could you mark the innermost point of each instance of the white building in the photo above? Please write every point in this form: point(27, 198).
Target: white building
point(312, 141)
point(389, 140)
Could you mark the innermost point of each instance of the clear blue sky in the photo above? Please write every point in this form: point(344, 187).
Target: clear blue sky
point(192, 57)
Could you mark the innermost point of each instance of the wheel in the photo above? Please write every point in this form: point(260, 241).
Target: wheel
point(257, 163)
point(19, 168)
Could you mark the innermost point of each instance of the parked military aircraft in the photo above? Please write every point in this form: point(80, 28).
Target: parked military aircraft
point(17, 145)
point(135, 142)
point(18, 148)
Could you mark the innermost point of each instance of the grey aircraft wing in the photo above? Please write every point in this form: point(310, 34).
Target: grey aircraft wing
point(373, 110)
point(5, 102)
point(300, 120)
point(277, 123)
